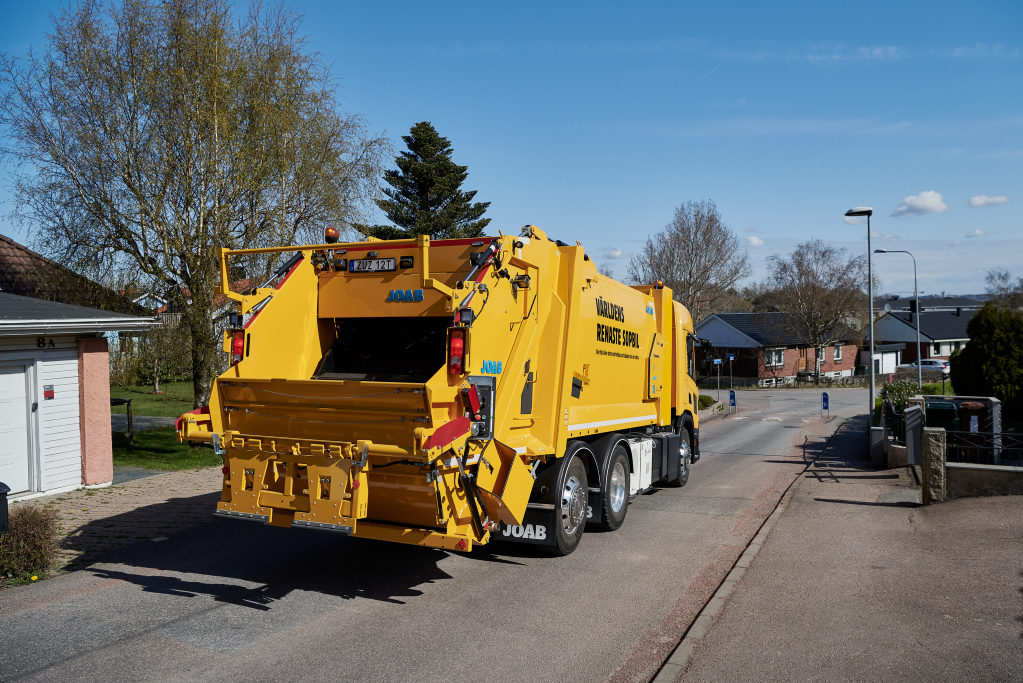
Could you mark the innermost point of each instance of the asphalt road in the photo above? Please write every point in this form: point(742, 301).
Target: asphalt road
point(237, 601)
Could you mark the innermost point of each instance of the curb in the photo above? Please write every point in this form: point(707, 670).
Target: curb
point(673, 667)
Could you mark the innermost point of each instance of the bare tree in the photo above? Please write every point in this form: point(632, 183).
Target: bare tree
point(606, 269)
point(822, 289)
point(1003, 290)
point(154, 133)
point(698, 256)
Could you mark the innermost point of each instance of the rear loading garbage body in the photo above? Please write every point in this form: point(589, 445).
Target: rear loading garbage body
point(447, 393)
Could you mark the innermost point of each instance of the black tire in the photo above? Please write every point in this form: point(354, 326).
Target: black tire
point(615, 490)
point(570, 508)
point(685, 454)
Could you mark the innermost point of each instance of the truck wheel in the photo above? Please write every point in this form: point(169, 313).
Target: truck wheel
point(685, 453)
point(616, 489)
point(570, 511)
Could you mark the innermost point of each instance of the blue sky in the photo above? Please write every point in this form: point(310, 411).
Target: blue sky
point(595, 120)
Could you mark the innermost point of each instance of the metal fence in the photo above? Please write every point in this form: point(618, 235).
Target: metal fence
point(894, 422)
point(985, 448)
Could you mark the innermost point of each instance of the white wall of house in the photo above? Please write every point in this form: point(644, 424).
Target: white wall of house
point(885, 362)
point(945, 347)
point(723, 335)
point(50, 455)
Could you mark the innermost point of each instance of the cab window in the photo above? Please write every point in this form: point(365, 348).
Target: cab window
point(690, 359)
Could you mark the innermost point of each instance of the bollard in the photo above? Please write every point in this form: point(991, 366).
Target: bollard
point(4, 490)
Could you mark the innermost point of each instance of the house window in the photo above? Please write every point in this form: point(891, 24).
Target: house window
point(774, 357)
point(957, 346)
point(937, 349)
point(838, 352)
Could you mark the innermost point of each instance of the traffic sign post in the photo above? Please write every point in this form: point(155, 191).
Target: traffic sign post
point(731, 400)
point(731, 357)
point(717, 362)
point(825, 403)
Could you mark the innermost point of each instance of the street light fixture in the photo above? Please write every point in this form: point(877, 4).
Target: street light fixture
point(868, 212)
point(916, 296)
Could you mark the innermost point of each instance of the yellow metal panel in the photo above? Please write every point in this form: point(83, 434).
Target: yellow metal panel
point(655, 367)
point(505, 484)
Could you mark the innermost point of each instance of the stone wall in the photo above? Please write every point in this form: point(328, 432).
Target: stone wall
point(967, 480)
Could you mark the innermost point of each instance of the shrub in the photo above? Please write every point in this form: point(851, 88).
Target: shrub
point(705, 402)
point(899, 393)
point(991, 364)
point(31, 541)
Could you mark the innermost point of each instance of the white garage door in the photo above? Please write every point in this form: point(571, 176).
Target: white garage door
point(13, 429)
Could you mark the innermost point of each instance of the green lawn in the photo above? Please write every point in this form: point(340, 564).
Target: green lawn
point(176, 399)
point(934, 389)
point(158, 449)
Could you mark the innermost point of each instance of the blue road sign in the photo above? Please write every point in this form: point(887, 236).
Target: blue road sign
point(731, 356)
point(825, 401)
point(731, 398)
point(717, 361)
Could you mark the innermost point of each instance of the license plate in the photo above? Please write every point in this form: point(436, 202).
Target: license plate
point(371, 265)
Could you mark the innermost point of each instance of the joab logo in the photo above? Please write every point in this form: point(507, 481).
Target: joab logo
point(407, 295)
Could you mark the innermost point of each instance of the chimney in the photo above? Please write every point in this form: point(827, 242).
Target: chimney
point(912, 305)
point(959, 312)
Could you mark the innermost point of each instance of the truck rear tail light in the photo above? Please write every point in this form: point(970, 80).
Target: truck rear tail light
point(456, 352)
point(237, 347)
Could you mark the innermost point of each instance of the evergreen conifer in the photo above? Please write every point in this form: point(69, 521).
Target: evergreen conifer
point(425, 196)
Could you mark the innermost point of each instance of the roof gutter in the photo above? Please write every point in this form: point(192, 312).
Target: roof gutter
point(75, 326)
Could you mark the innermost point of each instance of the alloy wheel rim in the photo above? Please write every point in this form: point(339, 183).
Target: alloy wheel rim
point(573, 504)
point(617, 486)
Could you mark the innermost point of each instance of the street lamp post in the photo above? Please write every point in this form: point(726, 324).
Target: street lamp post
point(868, 212)
point(916, 298)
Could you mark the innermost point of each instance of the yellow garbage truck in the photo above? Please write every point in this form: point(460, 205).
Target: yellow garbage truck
point(448, 393)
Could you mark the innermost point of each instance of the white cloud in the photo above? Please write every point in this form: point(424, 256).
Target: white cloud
point(927, 201)
point(985, 200)
point(976, 233)
point(854, 220)
point(615, 253)
point(754, 241)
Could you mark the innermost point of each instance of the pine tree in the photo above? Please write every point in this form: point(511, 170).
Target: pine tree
point(425, 196)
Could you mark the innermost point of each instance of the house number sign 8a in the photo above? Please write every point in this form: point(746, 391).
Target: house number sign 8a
point(44, 342)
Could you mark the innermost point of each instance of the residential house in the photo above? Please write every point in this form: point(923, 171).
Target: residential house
point(941, 332)
point(55, 394)
point(929, 303)
point(26, 273)
point(768, 346)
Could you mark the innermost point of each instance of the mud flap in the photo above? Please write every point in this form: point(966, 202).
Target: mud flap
point(537, 528)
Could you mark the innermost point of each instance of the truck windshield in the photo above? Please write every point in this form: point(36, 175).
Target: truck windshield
point(386, 349)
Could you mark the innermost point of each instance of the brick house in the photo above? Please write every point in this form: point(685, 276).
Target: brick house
point(768, 347)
